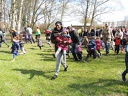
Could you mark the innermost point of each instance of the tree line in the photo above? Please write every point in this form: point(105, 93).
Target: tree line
point(19, 13)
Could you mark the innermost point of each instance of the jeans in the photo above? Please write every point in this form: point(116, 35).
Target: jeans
point(4, 42)
point(75, 52)
point(61, 59)
point(107, 45)
point(14, 55)
point(91, 52)
point(126, 64)
point(117, 48)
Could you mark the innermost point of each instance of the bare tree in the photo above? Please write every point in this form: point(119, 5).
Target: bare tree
point(1, 9)
point(97, 9)
point(63, 8)
point(50, 12)
point(20, 16)
point(36, 11)
point(13, 13)
point(86, 13)
point(91, 9)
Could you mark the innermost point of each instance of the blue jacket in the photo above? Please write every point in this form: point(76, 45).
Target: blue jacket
point(15, 47)
point(92, 45)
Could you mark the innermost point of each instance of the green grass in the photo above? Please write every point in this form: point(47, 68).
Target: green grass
point(30, 75)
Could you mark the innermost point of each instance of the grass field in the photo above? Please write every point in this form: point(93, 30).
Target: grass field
point(30, 75)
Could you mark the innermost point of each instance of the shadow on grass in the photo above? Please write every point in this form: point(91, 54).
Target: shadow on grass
point(120, 55)
point(47, 56)
point(9, 52)
point(33, 73)
point(103, 86)
point(5, 60)
point(42, 54)
point(33, 48)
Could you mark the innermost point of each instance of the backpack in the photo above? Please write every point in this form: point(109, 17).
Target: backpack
point(79, 48)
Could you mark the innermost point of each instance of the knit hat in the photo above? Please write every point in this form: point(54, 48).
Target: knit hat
point(58, 22)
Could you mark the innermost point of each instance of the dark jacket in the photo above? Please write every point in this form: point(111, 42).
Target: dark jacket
point(74, 37)
point(15, 47)
point(123, 42)
point(54, 34)
point(92, 33)
point(85, 34)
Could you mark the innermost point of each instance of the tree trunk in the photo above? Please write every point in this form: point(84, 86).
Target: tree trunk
point(1, 9)
point(63, 7)
point(34, 13)
point(86, 14)
point(93, 14)
point(13, 13)
point(20, 16)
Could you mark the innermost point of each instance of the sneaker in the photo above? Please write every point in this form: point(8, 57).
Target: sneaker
point(98, 55)
point(107, 53)
point(123, 78)
point(54, 77)
point(65, 69)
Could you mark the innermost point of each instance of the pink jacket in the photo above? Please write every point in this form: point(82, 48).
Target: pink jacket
point(98, 45)
point(60, 39)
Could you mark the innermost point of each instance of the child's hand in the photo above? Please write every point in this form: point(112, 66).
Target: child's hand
point(65, 41)
point(60, 40)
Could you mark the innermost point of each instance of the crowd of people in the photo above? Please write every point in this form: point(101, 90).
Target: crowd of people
point(68, 40)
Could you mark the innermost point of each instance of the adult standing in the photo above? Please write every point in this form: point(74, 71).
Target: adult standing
point(93, 32)
point(114, 30)
point(107, 36)
point(59, 60)
point(75, 42)
point(29, 32)
point(121, 34)
point(56, 31)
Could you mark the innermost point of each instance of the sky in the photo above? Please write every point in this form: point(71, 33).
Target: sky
point(110, 17)
point(118, 15)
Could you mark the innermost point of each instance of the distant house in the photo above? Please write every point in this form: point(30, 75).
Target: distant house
point(79, 26)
